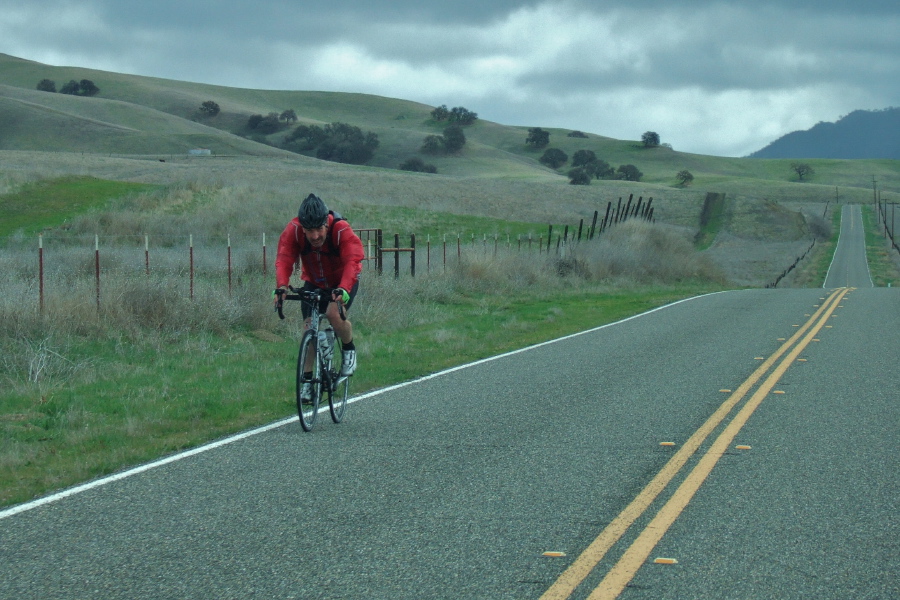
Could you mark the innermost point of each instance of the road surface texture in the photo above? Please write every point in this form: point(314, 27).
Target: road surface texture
point(740, 445)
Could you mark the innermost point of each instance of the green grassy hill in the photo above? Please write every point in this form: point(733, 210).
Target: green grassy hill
point(134, 115)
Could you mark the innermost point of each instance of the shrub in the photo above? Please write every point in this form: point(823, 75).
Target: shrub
point(554, 158)
point(433, 144)
point(417, 165)
point(629, 173)
point(210, 108)
point(684, 177)
point(579, 176)
point(454, 139)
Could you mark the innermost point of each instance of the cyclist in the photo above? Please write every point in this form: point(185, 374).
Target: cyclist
point(330, 256)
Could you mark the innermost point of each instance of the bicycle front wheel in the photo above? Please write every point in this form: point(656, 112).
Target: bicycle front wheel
point(338, 391)
point(309, 383)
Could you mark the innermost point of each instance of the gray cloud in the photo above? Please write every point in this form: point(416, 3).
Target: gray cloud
point(709, 76)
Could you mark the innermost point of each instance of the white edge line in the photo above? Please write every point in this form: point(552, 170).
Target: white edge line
point(836, 247)
point(20, 508)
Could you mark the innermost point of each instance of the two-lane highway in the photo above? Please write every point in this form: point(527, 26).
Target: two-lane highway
point(849, 268)
point(455, 486)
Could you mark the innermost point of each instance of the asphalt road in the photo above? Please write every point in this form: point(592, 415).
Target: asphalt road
point(454, 487)
point(850, 267)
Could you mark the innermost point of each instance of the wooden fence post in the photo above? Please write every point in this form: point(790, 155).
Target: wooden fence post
point(97, 266)
point(412, 256)
point(191, 252)
point(229, 265)
point(396, 255)
point(41, 270)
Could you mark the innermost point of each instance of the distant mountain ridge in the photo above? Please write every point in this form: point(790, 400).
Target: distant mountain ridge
point(861, 134)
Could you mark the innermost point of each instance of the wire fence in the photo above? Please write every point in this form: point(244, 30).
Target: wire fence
point(887, 215)
point(231, 259)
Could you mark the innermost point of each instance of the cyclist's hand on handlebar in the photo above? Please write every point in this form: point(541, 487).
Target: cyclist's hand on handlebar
point(278, 297)
point(340, 295)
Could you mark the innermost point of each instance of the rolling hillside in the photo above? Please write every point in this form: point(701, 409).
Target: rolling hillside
point(142, 116)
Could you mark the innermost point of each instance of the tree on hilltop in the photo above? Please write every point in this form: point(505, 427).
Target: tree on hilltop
point(46, 85)
point(463, 116)
point(650, 139)
point(441, 113)
point(85, 87)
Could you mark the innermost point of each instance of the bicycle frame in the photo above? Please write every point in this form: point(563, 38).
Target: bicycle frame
point(325, 379)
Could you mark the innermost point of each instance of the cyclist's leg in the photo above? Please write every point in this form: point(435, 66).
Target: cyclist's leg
point(342, 329)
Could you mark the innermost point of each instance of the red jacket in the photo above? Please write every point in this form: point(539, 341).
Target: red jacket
point(337, 263)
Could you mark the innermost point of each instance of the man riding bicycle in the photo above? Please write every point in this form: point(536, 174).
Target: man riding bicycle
point(330, 256)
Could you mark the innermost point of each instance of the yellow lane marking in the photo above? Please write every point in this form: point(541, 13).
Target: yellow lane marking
point(622, 573)
point(581, 567)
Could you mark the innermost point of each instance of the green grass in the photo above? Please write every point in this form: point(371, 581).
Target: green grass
point(711, 220)
point(440, 226)
point(50, 203)
point(883, 270)
point(130, 403)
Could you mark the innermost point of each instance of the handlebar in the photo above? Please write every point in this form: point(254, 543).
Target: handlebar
point(308, 296)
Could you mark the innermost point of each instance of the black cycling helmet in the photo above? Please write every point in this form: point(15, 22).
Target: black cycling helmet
point(313, 213)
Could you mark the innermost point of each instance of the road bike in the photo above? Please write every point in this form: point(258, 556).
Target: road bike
point(321, 344)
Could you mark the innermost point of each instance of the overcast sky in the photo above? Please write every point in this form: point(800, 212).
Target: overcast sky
point(723, 78)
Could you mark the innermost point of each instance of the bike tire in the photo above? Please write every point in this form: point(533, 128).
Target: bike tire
point(338, 391)
point(308, 410)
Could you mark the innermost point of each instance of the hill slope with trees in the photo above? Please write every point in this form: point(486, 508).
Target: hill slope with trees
point(145, 117)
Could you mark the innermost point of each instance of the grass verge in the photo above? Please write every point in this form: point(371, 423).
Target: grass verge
point(883, 270)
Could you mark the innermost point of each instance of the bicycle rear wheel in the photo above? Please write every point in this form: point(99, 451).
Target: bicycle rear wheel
point(308, 408)
point(338, 390)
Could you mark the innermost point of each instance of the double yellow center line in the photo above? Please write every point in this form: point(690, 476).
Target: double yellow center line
point(636, 555)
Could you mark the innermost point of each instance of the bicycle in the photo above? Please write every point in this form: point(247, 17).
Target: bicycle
point(320, 343)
